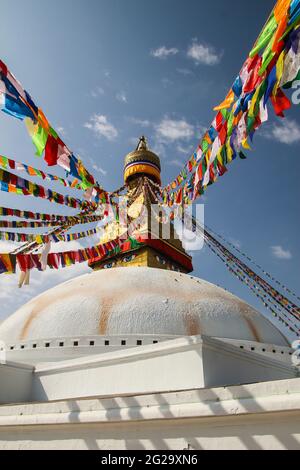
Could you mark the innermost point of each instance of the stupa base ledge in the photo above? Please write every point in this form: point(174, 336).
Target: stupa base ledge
point(195, 362)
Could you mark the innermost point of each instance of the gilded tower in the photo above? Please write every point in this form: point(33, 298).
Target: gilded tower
point(161, 247)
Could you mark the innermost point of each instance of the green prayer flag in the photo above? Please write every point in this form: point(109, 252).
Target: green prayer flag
point(205, 146)
point(265, 36)
point(225, 114)
point(39, 140)
point(230, 124)
point(266, 59)
point(4, 163)
point(53, 133)
point(250, 123)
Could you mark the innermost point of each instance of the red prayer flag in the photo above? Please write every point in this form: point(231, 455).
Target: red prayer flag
point(223, 133)
point(254, 78)
point(200, 171)
point(3, 68)
point(219, 120)
point(280, 103)
point(51, 151)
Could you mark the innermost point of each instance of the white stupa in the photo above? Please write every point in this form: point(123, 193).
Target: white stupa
point(143, 356)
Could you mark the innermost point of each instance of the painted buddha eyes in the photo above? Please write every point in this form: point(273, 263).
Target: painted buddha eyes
point(109, 265)
point(128, 258)
point(161, 260)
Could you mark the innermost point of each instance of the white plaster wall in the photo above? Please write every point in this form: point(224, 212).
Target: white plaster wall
point(180, 364)
point(171, 365)
point(269, 432)
point(15, 382)
point(258, 416)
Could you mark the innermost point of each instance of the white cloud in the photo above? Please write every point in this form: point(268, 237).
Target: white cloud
point(97, 92)
point(163, 52)
point(100, 170)
point(176, 162)
point(121, 96)
point(172, 130)
point(140, 122)
point(185, 72)
point(280, 253)
point(166, 82)
point(286, 132)
point(61, 130)
point(185, 150)
point(203, 54)
point(159, 148)
point(102, 127)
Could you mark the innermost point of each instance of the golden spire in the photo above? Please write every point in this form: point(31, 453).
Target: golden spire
point(143, 144)
point(142, 162)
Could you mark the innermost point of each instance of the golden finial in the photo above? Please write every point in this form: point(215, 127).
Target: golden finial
point(142, 162)
point(143, 144)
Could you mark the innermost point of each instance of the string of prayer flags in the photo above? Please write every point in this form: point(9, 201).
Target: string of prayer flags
point(272, 65)
point(27, 262)
point(8, 163)
point(17, 237)
point(249, 259)
point(18, 103)
point(25, 224)
point(45, 219)
point(45, 238)
point(64, 259)
point(11, 183)
point(8, 212)
point(282, 307)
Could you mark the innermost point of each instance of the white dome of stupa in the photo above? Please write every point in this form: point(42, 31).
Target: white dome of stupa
point(138, 301)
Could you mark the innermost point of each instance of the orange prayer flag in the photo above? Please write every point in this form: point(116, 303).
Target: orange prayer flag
point(281, 9)
point(43, 120)
point(207, 138)
point(12, 189)
point(280, 31)
point(227, 102)
point(74, 183)
point(31, 171)
point(237, 118)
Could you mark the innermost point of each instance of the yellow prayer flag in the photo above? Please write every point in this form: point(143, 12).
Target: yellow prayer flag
point(254, 99)
point(279, 72)
point(31, 126)
point(219, 155)
point(227, 102)
point(68, 260)
point(39, 239)
point(245, 144)
point(229, 151)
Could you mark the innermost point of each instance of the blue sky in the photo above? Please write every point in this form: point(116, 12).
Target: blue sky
point(107, 71)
